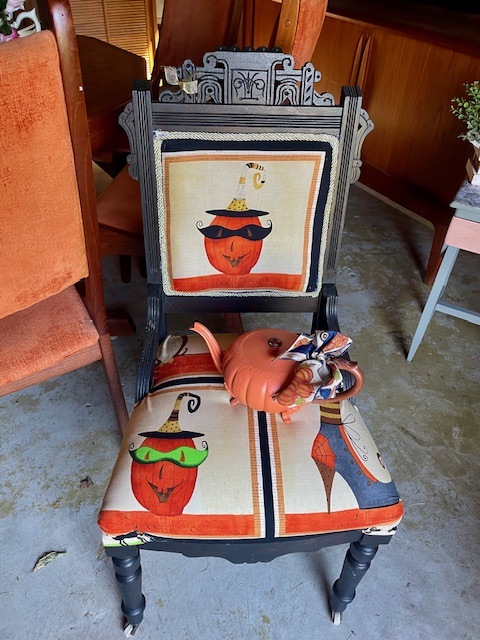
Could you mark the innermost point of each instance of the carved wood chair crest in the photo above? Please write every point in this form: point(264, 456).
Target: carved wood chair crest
point(261, 78)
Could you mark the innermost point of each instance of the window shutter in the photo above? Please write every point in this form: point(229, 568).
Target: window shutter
point(128, 24)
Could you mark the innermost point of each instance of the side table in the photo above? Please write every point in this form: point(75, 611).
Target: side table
point(463, 233)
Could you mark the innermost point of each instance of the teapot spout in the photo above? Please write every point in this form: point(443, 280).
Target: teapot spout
point(212, 343)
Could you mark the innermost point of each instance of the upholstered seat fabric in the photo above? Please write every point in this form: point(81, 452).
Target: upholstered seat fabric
point(36, 338)
point(193, 466)
point(42, 245)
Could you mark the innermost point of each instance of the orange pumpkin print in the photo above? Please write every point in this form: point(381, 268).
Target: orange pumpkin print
point(163, 487)
point(165, 466)
point(233, 241)
point(234, 254)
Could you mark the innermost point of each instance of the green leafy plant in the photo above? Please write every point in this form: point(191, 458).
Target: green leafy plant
point(467, 110)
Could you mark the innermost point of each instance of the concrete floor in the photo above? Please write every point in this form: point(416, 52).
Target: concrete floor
point(423, 415)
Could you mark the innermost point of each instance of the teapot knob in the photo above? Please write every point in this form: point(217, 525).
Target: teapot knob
point(274, 343)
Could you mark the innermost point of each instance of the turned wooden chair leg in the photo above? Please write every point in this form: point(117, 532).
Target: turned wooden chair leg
point(128, 572)
point(357, 561)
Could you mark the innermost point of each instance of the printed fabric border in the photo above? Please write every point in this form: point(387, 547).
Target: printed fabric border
point(160, 136)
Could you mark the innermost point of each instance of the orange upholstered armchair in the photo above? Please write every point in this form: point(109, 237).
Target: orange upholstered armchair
point(48, 224)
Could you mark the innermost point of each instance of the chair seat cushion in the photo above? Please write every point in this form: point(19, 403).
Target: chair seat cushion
point(42, 335)
point(194, 466)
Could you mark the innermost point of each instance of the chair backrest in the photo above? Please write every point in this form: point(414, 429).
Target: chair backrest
point(43, 246)
point(48, 191)
point(292, 25)
point(244, 186)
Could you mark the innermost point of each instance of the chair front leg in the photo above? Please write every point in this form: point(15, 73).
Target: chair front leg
point(357, 561)
point(128, 572)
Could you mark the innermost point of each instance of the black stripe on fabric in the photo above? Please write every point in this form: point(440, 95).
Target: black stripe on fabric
point(319, 214)
point(266, 475)
point(185, 381)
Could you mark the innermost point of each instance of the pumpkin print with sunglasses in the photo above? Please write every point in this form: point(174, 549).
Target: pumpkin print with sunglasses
point(234, 239)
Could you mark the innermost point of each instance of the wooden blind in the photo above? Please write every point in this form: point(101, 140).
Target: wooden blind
point(128, 24)
point(89, 18)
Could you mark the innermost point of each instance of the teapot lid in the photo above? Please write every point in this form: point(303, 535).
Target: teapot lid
point(260, 348)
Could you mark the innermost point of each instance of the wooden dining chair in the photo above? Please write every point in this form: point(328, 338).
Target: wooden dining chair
point(292, 25)
point(52, 313)
point(244, 188)
point(120, 222)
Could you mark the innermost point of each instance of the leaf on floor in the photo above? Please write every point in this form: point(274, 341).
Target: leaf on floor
point(46, 558)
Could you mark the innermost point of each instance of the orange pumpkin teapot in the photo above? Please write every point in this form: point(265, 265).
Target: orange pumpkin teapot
point(253, 373)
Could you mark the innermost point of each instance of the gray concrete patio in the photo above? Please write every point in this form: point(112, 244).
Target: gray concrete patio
point(423, 415)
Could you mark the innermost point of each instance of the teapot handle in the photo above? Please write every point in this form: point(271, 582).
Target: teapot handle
point(357, 373)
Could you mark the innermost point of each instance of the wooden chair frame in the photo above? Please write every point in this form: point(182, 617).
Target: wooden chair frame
point(306, 111)
point(56, 16)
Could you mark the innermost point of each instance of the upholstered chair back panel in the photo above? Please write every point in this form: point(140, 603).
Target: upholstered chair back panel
point(244, 213)
point(42, 249)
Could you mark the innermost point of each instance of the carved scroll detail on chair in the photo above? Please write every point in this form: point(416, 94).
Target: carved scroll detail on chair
point(126, 122)
point(365, 126)
point(266, 78)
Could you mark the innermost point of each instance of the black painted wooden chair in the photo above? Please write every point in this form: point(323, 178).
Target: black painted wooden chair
point(202, 476)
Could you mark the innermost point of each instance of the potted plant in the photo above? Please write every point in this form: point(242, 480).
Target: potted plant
point(467, 110)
